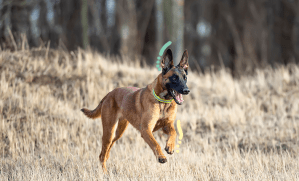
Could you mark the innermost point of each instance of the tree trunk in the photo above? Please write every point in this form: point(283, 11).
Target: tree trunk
point(84, 23)
point(178, 34)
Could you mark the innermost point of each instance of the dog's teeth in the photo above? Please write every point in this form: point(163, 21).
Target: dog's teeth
point(180, 97)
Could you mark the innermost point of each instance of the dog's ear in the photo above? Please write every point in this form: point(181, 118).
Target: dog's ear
point(184, 62)
point(167, 61)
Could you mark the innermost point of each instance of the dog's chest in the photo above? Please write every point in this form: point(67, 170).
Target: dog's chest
point(165, 110)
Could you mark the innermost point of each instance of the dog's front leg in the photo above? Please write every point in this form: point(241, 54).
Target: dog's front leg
point(147, 135)
point(170, 131)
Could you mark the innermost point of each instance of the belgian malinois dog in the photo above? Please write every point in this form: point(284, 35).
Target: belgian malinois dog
point(147, 109)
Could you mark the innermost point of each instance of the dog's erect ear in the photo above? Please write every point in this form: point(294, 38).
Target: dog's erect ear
point(167, 61)
point(184, 62)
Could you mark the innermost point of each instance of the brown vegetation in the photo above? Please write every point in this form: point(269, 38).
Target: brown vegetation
point(243, 129)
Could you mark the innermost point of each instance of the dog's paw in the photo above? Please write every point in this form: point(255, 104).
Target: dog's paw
point(162, 159)
point(169, 148)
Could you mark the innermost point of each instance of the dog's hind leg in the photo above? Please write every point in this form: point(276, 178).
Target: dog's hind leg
point(109, 121)
point(122, 126)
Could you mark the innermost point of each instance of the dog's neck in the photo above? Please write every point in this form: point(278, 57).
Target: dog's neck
point(159, 90)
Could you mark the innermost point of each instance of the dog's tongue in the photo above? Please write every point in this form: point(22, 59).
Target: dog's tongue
point(179, 97)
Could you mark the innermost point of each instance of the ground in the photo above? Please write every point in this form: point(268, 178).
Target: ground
point(233, 129)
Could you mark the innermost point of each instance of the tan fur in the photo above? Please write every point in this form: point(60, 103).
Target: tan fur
point(142, 110)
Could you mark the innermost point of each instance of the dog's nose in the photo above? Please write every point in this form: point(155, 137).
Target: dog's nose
point(186, 91)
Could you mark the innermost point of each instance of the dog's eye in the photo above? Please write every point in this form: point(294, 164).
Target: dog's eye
point(185, 78)
point(174, 78)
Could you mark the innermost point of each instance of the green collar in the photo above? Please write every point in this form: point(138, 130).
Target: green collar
point(161, 100)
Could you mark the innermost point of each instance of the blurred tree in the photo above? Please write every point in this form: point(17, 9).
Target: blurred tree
point(159, 25)
point(178, 29)
point(84, 23)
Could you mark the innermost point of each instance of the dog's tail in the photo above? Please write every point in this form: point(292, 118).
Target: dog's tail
point(96, 113)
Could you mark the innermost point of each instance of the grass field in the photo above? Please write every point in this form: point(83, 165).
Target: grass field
point(234, 129)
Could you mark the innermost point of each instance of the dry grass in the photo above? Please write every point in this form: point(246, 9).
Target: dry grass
point(244, 129)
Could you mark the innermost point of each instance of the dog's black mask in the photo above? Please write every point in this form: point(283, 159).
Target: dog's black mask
point(175, 76)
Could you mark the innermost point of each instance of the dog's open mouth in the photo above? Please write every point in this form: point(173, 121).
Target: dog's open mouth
point(178, 98)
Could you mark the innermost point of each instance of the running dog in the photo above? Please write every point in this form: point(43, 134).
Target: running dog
point(147, 109)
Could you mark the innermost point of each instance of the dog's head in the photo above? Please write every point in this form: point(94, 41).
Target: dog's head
point(174, 78)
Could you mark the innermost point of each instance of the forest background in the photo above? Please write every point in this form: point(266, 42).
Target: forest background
point(239, 34)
